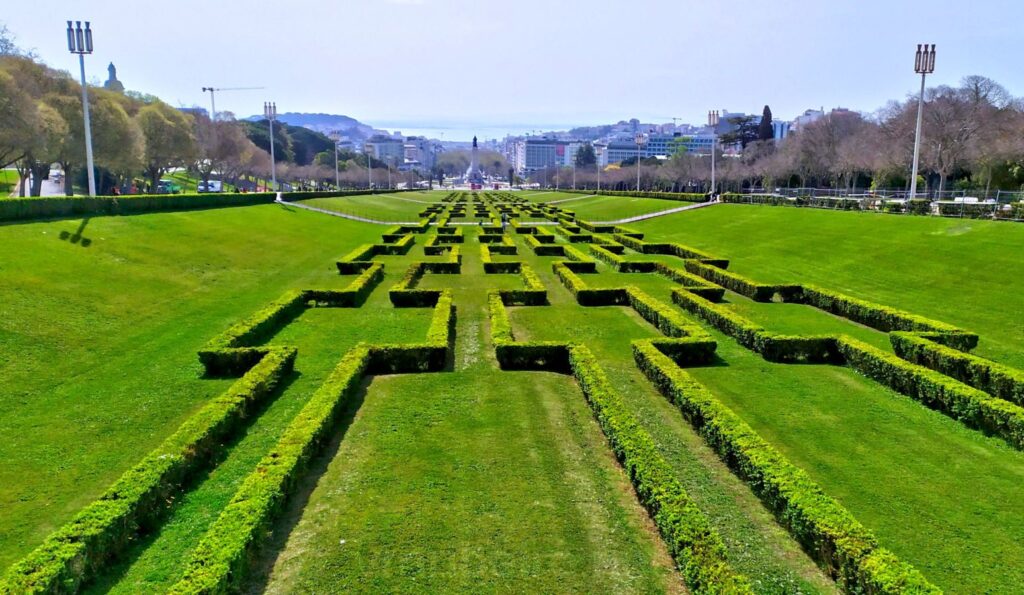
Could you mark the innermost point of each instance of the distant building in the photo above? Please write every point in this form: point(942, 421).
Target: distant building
point(809, 116)
point(112, 83)
point(385, 148)
point(534, 154)
point(780, 129)
point(195, 111)
point(419, 153)
point(657, 145)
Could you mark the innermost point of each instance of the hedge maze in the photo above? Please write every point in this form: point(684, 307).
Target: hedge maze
point(930, 362)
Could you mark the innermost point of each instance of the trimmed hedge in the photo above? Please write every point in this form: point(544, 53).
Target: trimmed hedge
point(753, 290)
point(220, 562)
point(405, 295)
point(827, 531)
point(885, 318)
point(969, 405)
point(996, 379)
point(692, 540)
point(536, 355)
point(138, 499)
point(771, 346)
point(586, 296)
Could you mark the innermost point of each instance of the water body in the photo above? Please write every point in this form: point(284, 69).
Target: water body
point(465, 131)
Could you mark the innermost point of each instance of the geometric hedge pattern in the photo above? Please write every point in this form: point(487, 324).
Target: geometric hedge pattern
point(931, 363)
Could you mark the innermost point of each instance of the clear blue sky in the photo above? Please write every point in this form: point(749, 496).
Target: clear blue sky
point(533, 62)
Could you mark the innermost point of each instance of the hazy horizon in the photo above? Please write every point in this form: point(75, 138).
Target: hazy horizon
point(456, 66)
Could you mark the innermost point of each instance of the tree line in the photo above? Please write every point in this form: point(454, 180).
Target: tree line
point(137, 138)
point(972, 140)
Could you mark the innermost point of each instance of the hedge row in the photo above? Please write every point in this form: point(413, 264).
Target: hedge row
point(826, 530)
point(491, 267)
point(969, 405)
point(994, 378)
point(691, 282)
point(685, 252)
point(404, 293)
point(885, 318)
point(535, 355)
point(586, 296)
point(428, 356)
point(78, 550)
point(233, 351)
point(14, 209)
point(773, 347)
point(741, 285)
point(220, 562)
point(692, 540)
point(534, 293)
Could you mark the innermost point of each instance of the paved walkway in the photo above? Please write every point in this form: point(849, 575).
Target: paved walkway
point(690, 207)
point(555, 202)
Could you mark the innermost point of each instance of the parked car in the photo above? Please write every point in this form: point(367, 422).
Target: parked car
point(211, 186)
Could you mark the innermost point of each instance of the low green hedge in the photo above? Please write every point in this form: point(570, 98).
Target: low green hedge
point(692, 540)
point(969, 405)
point(586, 296)
point(537, 355)
point(825, 530)
point(996, 379)
point(74, 553)
point(691, 282)
point(741, 285)
point(885, 318)
point(220, 562)
point(232, 351)
point(773, 347)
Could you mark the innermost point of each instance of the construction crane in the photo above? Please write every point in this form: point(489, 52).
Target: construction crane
point(213, 103)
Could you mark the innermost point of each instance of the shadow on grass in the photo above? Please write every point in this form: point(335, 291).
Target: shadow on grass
point(262, 564)
point(119, 567)
point(76, 238)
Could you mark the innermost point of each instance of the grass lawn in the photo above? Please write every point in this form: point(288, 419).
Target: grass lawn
point(476, 479)
point(100, 340)
point(405, 206)
point(611, 208)
point(8, 182)
point(968, 273)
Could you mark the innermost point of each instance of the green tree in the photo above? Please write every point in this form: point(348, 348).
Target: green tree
point(743, 131)
point(19, 120)
point(169, 139)
point(765, 131)
point(585, 156)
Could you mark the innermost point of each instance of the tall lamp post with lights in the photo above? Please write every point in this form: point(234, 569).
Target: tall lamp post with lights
point(924, 64)
point(641, 140)
point(713, 120)
point(270, 112)
point(80, 42)
point(597, 153)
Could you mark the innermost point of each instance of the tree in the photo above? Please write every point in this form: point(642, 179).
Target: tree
point(217, 142)
point(19, 120)
point(765, 131)
point(169, 139)
point(511, 176)
point(49, 143)
point(742, 131)
point(585, 156)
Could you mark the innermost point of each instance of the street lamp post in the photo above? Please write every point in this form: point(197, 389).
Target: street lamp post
point(270, 112)
point(640, 140)
point(337, 177)
point(713, 123)
point(387, 161)
point(598, 155)
point(80, 42)
point(924, 64)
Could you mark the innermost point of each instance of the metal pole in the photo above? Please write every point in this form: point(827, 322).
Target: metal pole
point(714, 141)
point(213, 106)
point(88, 128)
point(337, 177)
point(273, 163)
point(917, 144)
point(638, 164)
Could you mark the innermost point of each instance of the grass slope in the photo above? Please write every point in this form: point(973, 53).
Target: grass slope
point(968, 273)
point(100, 340)
point(382, 207)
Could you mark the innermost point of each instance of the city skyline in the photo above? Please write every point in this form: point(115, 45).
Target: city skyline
point(529, 66)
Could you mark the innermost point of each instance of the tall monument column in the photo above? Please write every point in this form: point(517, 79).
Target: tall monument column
point(476, 178)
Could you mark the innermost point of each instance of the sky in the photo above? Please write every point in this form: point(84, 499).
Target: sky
point(464, 65)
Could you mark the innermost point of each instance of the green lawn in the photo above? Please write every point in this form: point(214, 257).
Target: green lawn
point(476, 479)
point(405, 206)
point(965, 272)
point(8, 182)
point(611, 208)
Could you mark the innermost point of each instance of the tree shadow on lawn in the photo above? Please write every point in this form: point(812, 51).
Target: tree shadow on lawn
point(121, 565)
point(266, 558)
point(76, 238)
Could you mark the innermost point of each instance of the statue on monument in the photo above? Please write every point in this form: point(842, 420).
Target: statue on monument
point(474, 176)
point(112, 83)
